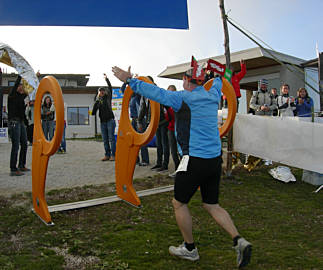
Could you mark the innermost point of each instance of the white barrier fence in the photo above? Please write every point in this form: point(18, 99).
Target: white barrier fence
point(291, 140)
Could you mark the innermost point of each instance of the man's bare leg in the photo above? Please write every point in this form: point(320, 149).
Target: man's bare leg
point(222, 217)
point(186, 250)
point(241, 245)
point(184, 220)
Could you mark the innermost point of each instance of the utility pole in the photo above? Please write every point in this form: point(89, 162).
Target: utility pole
point(320, 68)
point(228, 65)
point(226, 35)
point(1, 98)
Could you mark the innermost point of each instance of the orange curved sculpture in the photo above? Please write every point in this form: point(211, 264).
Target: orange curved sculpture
point(228, 91)
point(128, 145)
point(43, 149)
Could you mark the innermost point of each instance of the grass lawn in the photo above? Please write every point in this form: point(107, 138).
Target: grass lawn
point(282, 221)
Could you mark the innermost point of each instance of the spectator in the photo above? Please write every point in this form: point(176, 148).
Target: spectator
point(304, 103)
point(262, 102)
point(286, 105)
point(108, 125)
point(273, 91)
point(30, 118)
point(135, 107)
point(170, 117)
point(16, 116)
point(200, 143)
point(161, 140)
point(235, 81)
point(62, 147)
point(142, 124)
point(48, 115)
point(162, 143)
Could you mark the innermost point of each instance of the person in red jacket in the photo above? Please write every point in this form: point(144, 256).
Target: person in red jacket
point(235, 81)
point(170, 117)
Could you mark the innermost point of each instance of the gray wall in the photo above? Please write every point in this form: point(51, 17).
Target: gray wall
point(294, 78)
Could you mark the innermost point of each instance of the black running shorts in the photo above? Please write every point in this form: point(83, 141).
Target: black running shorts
point(203, 173)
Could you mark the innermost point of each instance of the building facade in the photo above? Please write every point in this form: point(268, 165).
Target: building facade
point(277, 68)
point(78, 101)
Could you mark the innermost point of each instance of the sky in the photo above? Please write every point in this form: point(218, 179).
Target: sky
point(292, 27)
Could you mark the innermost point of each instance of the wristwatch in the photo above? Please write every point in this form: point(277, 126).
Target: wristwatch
point(128, 80)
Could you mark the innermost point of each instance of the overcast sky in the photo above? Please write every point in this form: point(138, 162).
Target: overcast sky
point(289, 26)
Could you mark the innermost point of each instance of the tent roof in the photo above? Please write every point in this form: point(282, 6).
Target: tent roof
point(254, 58)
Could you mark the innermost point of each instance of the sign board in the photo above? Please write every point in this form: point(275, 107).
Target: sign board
point(125, 13)
point(4, 135)
point(117, 96)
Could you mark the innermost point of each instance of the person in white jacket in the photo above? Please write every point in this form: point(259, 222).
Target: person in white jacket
point(262, 101)
point(286, 104)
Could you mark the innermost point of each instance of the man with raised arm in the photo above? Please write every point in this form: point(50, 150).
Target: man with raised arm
point(17, 128)
point(200, 147)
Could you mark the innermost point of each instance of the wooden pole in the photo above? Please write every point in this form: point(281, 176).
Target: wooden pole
point(226, 35)
point(228, 65)
point(320, 68)
point(1, 98)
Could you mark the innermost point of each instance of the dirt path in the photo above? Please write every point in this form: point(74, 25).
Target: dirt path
point(81, 165)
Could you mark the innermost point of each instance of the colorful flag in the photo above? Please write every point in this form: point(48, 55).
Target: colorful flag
point(198, 71)
point(228, 74)
point(193, 62)
point(219, 68)
point(215, 67)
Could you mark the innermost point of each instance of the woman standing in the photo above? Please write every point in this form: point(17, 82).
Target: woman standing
point(47, 116)
point(304, 104)
point(286, 105)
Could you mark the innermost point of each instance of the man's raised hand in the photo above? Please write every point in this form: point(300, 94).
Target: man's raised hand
point(121, 74)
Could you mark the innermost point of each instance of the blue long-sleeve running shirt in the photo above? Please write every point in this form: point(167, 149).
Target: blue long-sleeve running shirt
point(196, 116)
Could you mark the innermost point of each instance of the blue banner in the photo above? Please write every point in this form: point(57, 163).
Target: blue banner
point(116, 13)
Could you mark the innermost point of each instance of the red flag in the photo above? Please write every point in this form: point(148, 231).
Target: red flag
point(198, 71)
point(215, 67)
point(193, 62)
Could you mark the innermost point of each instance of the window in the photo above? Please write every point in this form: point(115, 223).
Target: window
point(78, 116)
point(11, 83)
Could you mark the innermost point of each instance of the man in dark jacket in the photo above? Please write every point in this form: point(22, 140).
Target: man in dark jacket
point(108, 125)
point(17, 128)
point(162, 143)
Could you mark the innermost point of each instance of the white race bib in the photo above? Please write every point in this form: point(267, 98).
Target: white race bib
point(182, 167)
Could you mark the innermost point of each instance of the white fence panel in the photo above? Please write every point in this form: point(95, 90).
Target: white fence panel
point(286, 140)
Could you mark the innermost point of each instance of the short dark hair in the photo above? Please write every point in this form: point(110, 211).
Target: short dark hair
point(285, 84)
point(150, 78)
point(172, 86)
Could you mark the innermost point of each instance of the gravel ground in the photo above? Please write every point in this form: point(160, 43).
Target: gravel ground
point(81, 165)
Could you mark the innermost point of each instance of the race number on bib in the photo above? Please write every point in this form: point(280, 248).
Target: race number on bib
point(182, 167)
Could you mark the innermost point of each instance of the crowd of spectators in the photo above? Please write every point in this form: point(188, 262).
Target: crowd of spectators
point(263, 102)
